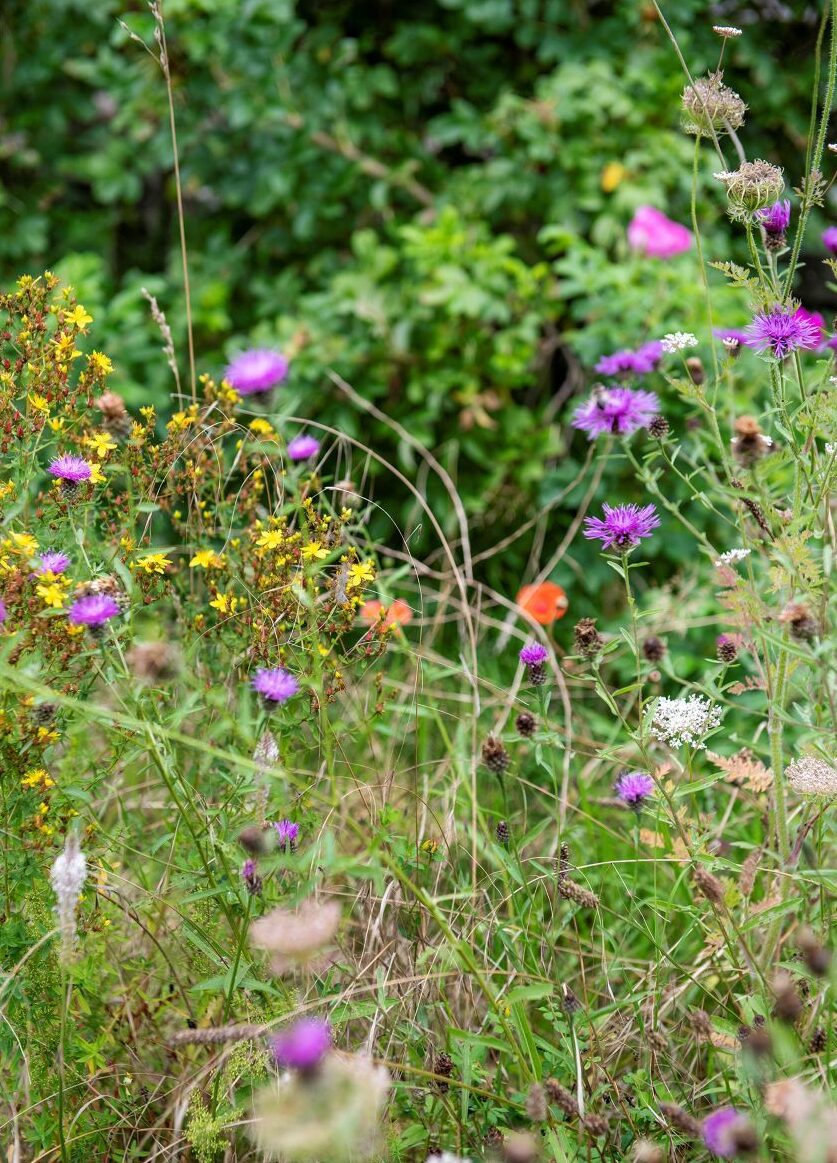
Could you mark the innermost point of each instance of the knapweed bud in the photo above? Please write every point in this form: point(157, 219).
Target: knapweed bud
point(710, 108)
point(787, 1004)
point(526, 724)
point(694, 366)
point(753, 186)
point(659, 427)
point(817, 957)
point(749, 443)
point(494, 755)
point(819, 1040)
point(588, 641)
point(654, 649)
point(251, 878)
point(503, 833)
point(254, 840)
point(727, 648)
point(443, 1065)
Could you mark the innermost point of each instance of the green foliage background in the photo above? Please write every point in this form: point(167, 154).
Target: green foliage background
point(411, 196)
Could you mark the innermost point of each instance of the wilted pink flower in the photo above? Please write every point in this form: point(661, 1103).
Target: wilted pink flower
point(651, 233)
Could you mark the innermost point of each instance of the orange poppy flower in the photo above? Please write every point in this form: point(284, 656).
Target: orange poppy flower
point(398, 613)
point(545, 603)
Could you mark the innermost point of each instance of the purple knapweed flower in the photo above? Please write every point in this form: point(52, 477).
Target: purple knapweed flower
point(302, 1046)
point(632, 363)
point(256, 370)
point(275, 685)
point(732, 337)
point(533, 654)
point(776, 218)
point(620, 411)
point(53, 563)
point(623, 526)
point(719, 1131)
point(303, 447)
point(781, 331)
point(251, 878)
point(651, 233)
point(287, 834)
point(71, 469)
point(634, 787)
point(4, 613)
point(829, 239)
point(93, 610)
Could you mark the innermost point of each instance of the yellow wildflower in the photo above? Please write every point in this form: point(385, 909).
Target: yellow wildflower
point(153, 563)
point(225, 603)
point(148, 413)
point(271, 539)
point(262, 427)
point(66, 349)
point(102, 443)
point(360, 573)
point(78, 317)
point(24, 543)
point(101, 362)
point(37, 777)
point(97, 477)
point(57, 425)
point(613, 175)
point(7, 490)
point(51, 595)
point(313, 551)
point(207, 559)
point(39, 403)
point(47, 734)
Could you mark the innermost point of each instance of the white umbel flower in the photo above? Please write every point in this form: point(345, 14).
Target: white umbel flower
point(810, 776)
point(678, 341)
point(67, 878)
point(684, 722)
point(726, 31)
point(732, 555)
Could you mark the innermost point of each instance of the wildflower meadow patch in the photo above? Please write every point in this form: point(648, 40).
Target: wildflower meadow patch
point(417, 708)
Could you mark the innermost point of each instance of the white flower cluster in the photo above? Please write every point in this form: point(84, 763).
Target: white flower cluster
point(730, 341)
point(682, 722)
point(732, 555)
point(678, 341)
point(830, 448)
point(446, 1157)
point(67, 877)
point(727, 31)
point(812, 777)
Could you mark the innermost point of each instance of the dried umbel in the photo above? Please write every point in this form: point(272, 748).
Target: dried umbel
point(753, 186)
point(810, 776)
point(67, 878)
point(334, 1115)
point(297, 937)
point(749, 443)
point(711, 108)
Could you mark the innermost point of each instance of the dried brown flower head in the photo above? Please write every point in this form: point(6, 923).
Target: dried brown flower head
point(297, 937)
point(494, 755)
point(744, 770)
point(711, 108)
point(154, 661)
point(749, 443)
point(799, 620)
point(588, 641)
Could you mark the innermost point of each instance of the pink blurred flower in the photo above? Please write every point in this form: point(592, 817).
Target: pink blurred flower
point(651, 233)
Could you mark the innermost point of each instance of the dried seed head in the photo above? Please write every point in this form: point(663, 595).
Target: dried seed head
point(817, 957)
point(494, 1139)
point(520, 1147)
point(708, 885)
point(701, 1024)
point(588, 641)
point(681, 1120)
point(442, 1064)
point(526, 724)
point(44, 713)
point(648, 1152)
point(115, 418)
point(563, 862)
point(255, 841)
point(753, 186)
point(154, 661)
point(536, 1107)
point(819, 1040)
point(799, 620)
point(571, 891)
point(694, 366)
point(596, 1126)
point(727, 648)
point(749, 443)
point(711, 108)
point(787, 1004)
point(569, 1002)
point(654, 649)
point(296, 937)
point(747, 876)
point(494, 755)
point(561, 1097)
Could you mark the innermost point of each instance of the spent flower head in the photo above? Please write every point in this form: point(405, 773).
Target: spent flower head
point(711, 108)
point(753, 186)
point(622, 527)
point(811, 776)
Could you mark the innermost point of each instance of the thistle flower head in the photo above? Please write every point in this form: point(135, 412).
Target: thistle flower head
point(711, 108)
point(275, 685)
point(782, 331)
point(70, 469)
point(721, 1130)
point(622, 527)
point(287, 834)
point(653, 234)
point(302, 1046)
point(303, 448)
point(684, 722)
point(829, 239)
point(617, 411)
point(4, 613)
point(634, 787)
point(53, 563)
point(93, 610)
point(776, 218)
point(753, 186)
point(641, 362)
point(533, 654)
point(67, 878)
point(256, 370)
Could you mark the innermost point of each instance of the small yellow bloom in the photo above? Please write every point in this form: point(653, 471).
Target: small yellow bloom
point(153, 563)
point(148, 413)
point(97, 477)
point(313, 551)
point(23, 543)
point(207, 559)
point(39, 403)
point(262, 427)
point(37, 777)
point(613, 175)
point(360, 573)
point(101, 443)
point(47, 735)
point(7, 490)
point(57, 425)
point(271, 539)
point(66, 349)
point(225, 603)
point(78, 317)
point(51, 595)
point(101, 362)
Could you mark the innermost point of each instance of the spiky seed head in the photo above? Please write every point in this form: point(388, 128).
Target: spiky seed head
point(659, 428)
point(561, 1097)
point(753, 186)
point(711, 108)
point(503, 833)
